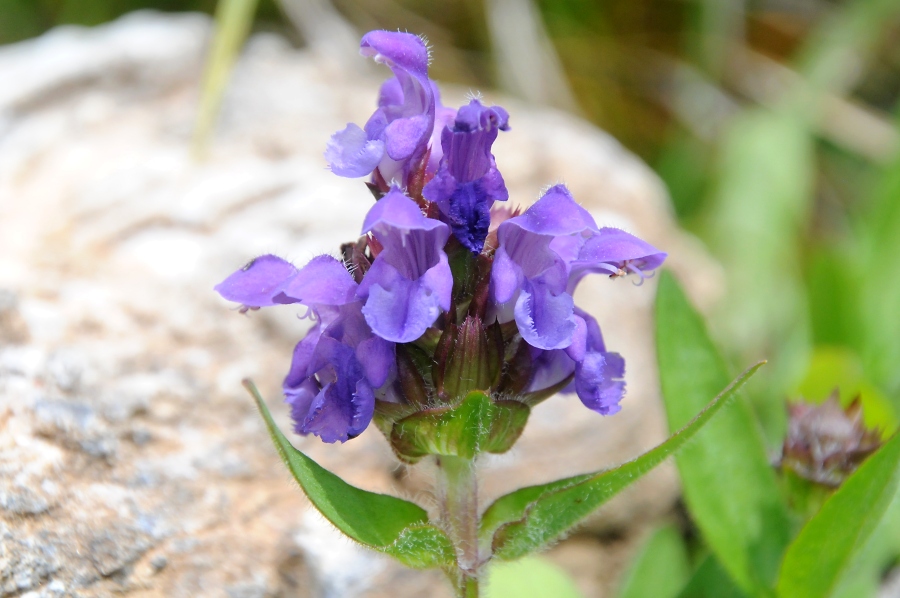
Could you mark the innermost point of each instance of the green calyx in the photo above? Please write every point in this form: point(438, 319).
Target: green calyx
point(476, 425)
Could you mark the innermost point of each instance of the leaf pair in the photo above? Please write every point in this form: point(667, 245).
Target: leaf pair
point(515, 525)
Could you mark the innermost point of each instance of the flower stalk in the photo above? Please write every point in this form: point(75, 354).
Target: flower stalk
point(457, 486)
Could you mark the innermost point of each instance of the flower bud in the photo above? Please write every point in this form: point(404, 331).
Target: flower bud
point(825, 443)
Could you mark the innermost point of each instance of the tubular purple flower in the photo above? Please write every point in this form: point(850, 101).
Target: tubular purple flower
point(409, 283)
point(530, 272)
point(335, 373)
point(338, 367)
point(544, 253)
point(396, 136)
point(468, 182)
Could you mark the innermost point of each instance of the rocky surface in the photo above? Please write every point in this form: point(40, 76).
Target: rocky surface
point(131, 460)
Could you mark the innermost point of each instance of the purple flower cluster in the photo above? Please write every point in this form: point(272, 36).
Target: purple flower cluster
point(430, 259)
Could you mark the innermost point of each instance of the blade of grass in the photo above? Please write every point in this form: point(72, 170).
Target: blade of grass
point(232, 24)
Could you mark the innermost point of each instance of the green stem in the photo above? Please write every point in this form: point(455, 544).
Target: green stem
point(470, 589)
point(458, 495)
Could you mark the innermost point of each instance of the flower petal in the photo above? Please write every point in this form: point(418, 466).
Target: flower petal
point(351, 153)
point(269, 280)
point(599, 384)
point(545, 320)
point(403, 137)
point(614, 252)
point(395, 48)
point(550, 368)
point(399, 309)
point(260, 283)
point(555, 213)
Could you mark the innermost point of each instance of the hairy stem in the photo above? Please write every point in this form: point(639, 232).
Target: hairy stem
point(458, 495)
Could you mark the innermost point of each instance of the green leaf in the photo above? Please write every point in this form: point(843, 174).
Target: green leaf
point(729, 486)
point(385, 523)
point(476, 425)
point(528, 519)
point(866, 574)
point(531, 577)
point(661, 568)
point(710, 581)
point(821, 554)
point(233, 21)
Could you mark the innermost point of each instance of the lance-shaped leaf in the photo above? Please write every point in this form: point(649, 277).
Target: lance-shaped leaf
point(528, 519)
point(729, 486)
point(822, 553)
point(385, 523)
point(476, 425)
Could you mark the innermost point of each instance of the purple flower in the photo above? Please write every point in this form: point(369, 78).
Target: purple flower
point(544, 253)
point(409, 283)
point(529, 277)
point(396, 136)
point(335, 373)
point(338, 367)
point(541, 257)
point(468, 182)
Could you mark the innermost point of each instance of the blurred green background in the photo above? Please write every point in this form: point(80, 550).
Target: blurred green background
point(774, 124)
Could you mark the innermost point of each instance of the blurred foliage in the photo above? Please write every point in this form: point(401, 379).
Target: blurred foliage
point(21, 19)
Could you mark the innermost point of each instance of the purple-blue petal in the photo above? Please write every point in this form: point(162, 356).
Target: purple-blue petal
point(400, 309)
point(411, 243)
point(409, 283)
point(507, 277)
point(545, 320)
point(390, 93)
point(549, 368)
point(260, 283)
point(351, 153)
point(614, 252)
point(324, 280)
point(330, 389)
point(376, 356)
point(598, 373)
point(395, 48)
point(269, 280)
point(403, 137)
point(598, 382)
point(555, 213)
point(468, 182)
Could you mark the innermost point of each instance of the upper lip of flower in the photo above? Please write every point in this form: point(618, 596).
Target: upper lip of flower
point(396, 137)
